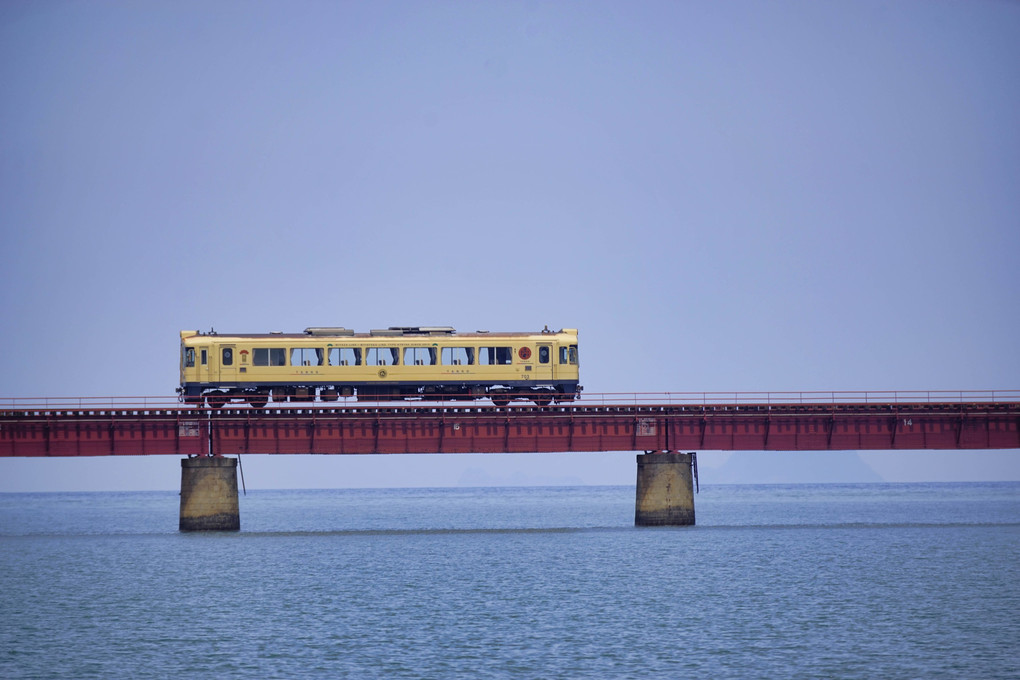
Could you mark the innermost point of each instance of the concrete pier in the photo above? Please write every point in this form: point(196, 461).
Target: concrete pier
point(665, 490)
point(209, 494)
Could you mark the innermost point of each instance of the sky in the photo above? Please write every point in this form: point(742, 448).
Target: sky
point(733, 196)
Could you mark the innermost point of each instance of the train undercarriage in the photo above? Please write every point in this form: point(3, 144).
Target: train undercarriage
point(260, 396)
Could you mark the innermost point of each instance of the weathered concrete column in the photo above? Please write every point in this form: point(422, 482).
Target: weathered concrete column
point(665, 490)
point(209, 494)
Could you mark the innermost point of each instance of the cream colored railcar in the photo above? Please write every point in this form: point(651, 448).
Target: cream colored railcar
point(403, 362)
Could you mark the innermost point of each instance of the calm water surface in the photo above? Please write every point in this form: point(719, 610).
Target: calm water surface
point(858, 581)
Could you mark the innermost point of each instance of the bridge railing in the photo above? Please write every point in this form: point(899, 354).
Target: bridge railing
point(587, 399)
point(808, 397)
point(87, 403)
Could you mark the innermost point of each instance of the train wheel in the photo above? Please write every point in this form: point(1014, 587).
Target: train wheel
point(258, 400)
point(216, 399)
point(542, 400)
point(500, 400)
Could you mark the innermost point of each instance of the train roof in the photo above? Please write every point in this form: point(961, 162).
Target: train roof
point(407, 332)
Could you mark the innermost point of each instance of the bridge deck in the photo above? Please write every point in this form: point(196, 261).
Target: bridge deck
point(971, 421)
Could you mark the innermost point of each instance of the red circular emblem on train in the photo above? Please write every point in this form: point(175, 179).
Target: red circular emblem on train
point(524, 353)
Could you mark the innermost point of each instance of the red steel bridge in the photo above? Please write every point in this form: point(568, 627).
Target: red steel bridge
point(747, 421)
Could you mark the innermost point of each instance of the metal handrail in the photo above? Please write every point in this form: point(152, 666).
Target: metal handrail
point(802, 397)
point(134, 403)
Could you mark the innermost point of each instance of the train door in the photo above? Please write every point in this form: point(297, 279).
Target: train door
point(545, 362)
point(228, 364)
point(202, 364)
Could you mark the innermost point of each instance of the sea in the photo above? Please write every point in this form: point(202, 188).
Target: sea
point(797, 581)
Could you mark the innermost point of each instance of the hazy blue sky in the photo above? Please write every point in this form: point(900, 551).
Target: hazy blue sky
point(720, 196)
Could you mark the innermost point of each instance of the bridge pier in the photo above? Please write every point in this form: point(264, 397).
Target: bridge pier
point(209, 494)
point(665, 489)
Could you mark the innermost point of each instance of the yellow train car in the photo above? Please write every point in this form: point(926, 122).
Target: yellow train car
point(400, 362)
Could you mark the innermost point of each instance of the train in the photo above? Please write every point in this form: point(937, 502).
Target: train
point(397, 363)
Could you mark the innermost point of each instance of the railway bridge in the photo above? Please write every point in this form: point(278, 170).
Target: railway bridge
point(667, 428)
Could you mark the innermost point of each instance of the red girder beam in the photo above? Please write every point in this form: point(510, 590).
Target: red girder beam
point(486, 429)
point(102, 432)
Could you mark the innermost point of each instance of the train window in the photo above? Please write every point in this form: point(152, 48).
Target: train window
point(383, 356)
point(205, 357)
point(573, 354)
point(420, 356)
point(458, 356)
point(228, 356)
point(344, 356)
point(189, 357)
point(307, 356)
point(269, 356)
point(543, 354)
point(491, 356)
point(568, 355)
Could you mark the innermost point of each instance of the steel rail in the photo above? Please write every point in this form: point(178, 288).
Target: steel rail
point(403, 411)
